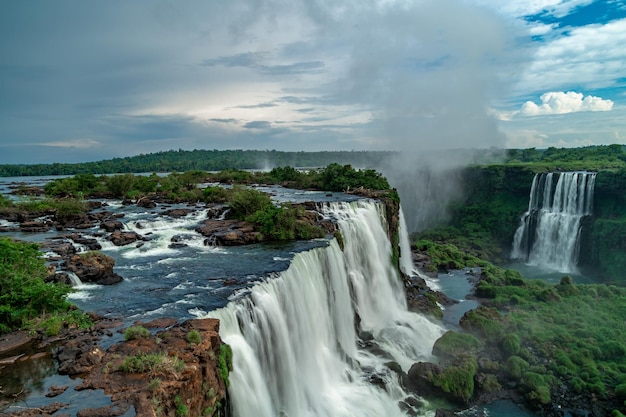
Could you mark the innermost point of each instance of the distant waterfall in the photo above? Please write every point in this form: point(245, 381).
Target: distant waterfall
point(296, 343)
point(549, 232)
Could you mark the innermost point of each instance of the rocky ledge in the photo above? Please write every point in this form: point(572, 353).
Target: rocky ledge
point(164, 368)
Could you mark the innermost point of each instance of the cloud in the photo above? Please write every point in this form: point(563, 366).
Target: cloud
point(254, 61)
point(565, 102)
point(258, 124)
point(78, 143)
point(591, 57)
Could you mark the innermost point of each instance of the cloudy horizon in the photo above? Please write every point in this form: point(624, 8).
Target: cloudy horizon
point(86, 81)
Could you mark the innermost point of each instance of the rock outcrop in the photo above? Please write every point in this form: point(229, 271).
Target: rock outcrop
point(171, 373)
point(93, 267)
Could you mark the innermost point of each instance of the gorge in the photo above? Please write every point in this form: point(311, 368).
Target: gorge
point(322, 328)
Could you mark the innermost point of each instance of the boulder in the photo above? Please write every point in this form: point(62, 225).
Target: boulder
point(89, 242)
point(177, 213)
point(119, 238)
point(34, 226)
point(93, 267)
point(229, 232)
point(145, 202)
point(112, 225)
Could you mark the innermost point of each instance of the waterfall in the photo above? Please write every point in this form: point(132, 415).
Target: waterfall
point(310, 341)
point(549, 232)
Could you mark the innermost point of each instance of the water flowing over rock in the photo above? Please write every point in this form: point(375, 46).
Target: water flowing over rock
point(549, 232)
point(295, 338)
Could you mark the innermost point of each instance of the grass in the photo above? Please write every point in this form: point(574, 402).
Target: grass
point(152, 363)
point(136, 332)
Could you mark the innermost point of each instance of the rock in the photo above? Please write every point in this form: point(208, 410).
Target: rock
point(56, 390)
point(73, 220)
point(61, 247)
point(34, 226)
point(419, 379)
point(89, 242)
point(112, 225)
point(145, 202)
point(197, 384)
point(93, 267)
point(107, 411)
point(444, 413)
point(177, 213)
point(119, 238)
point(229, 232)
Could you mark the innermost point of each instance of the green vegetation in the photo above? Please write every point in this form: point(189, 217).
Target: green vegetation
point(207, 160)
point(484, 219)
point(225, 363)
point(136, 332)
point(545, 335)
point(458, 379)
point(52, 324)
point(194, 337)
point(152, 363)
point(181, 409)
point(25, 297)
point(453, 344)
point(589, 158)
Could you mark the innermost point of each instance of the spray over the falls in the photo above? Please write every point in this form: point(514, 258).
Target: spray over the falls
point(310, 341)
point(549, 232)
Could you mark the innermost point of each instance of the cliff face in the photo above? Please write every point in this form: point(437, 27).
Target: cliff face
point(603, 247)
point(497, 195)
point(176, 372)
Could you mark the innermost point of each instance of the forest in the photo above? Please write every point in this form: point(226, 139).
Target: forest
point(590, 158)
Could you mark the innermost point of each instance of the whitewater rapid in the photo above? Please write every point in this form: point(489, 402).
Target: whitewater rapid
point(303, 340)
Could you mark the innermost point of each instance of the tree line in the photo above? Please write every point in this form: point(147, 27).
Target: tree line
point(206, 160)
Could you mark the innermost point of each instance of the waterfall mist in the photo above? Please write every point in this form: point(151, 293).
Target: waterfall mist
point(428, 78)
point(296, 338)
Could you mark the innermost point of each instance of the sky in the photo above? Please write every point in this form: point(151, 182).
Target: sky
point(85, 80)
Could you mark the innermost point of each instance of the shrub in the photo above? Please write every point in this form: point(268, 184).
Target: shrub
point(516, 366)
point(5, 201)
point(120, 185)
point(454, 343)
point(216, 194)
point(136, 332)
point(244, 202)
point(24, 295)
point(194, 337)
point(510, 344)
point(154, 384)
point(458, 380)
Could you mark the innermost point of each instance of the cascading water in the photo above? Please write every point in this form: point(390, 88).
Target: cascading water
point(549, 232)
point(296, 351)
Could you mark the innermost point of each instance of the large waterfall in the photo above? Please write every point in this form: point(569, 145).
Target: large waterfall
point(549, 232)
point(314, 340)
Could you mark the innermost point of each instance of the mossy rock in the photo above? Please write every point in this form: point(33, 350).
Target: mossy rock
point(453, 344)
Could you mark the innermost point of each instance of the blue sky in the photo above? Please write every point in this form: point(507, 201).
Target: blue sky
point(84, 81)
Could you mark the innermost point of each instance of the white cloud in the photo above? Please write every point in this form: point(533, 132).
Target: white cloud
point(78, 143)
point(592, 56)
point(520, 8)
point(556, 102)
